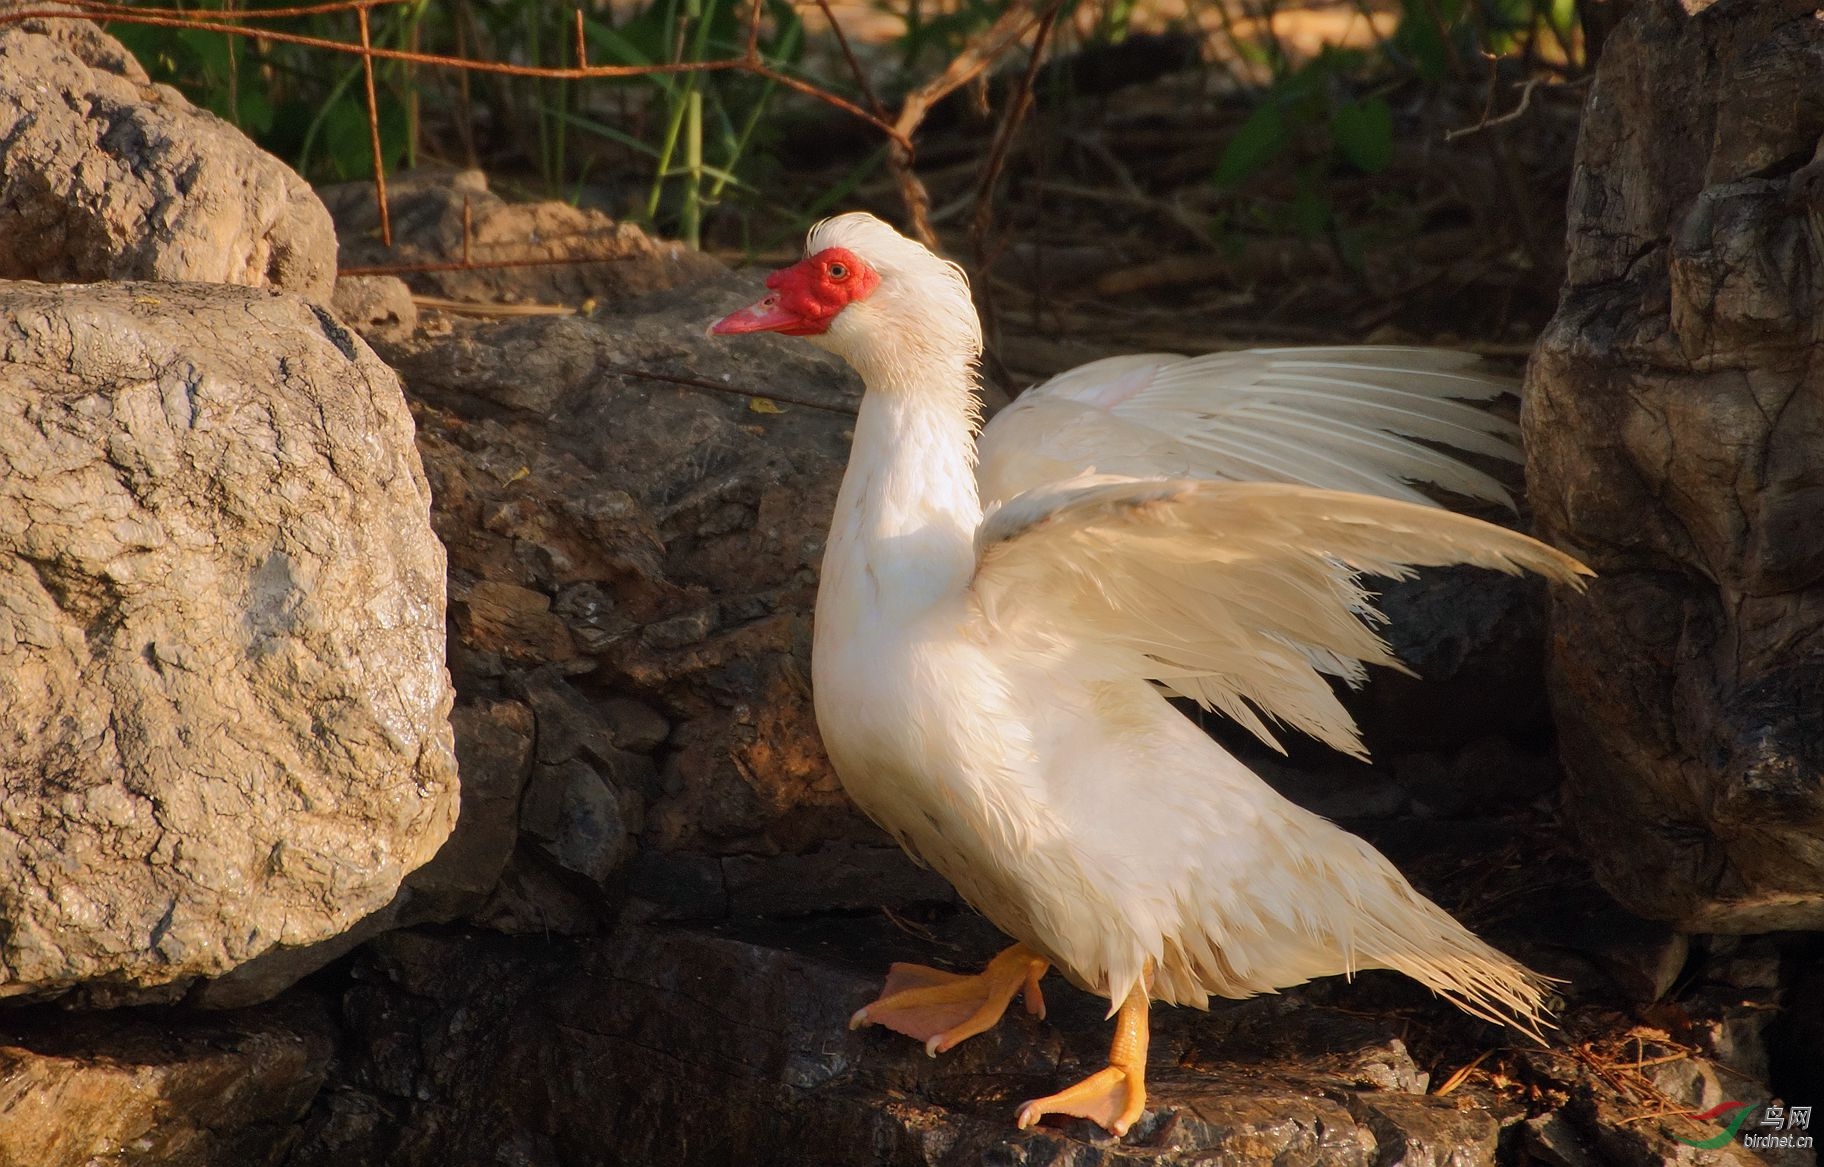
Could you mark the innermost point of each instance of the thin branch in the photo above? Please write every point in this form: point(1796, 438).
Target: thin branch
point(1526, 100)
point(752, 52)
point(983, 218)
point(373, 127)
point(104, 9)
point(855, 69)
point(402, 269)
point(717, 387)
point(976, 57)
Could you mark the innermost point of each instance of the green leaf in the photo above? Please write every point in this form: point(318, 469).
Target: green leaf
point(256, 112)
point(1363, 132)
point(631, 44)
point(346, 138)
point(715, 172)
point(1311, 209)
point(1256, 143)
point(591, 126)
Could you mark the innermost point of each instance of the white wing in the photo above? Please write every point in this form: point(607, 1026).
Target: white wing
point(1238, 595)
point(1340, 418)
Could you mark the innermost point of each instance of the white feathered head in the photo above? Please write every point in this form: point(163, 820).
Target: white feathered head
point(878, 300)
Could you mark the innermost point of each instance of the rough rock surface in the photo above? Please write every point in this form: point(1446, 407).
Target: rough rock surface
point(223, 726)
point(1674, 421)
point(104, 176)
point(380, 308)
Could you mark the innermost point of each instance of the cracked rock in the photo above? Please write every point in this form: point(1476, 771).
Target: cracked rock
point(224, 724)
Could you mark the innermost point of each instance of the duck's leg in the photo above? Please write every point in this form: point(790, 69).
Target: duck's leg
point(1113, 1097)
point(942, 1008)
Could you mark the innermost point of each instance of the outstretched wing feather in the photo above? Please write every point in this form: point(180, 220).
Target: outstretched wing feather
point(1353, 418)
point(1240, 595)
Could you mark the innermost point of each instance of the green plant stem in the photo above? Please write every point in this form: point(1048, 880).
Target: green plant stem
point(690, 226)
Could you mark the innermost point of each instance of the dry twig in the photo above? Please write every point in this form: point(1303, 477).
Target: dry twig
point(976, 57)
point(1526, 89)
point(1004, 135)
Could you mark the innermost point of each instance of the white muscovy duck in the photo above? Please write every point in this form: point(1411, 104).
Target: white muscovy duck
point(987, 682)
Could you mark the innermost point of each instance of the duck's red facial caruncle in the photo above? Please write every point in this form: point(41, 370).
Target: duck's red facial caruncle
point(805, 297)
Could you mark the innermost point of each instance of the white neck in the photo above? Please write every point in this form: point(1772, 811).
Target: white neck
point(903, 537)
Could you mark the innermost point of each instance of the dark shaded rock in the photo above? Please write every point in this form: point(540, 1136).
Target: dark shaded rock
point(1793, 1043)
point(1486, 777)
point(1643, 956)
point(1554, 1140)
point(494, 760)
point(1425, 1132)
point(125, 1088)
point(1674, 416)
point(637, 557)
point(1739, 1003)
point(573, 812)
point(535, 898)
point(1476, 640)
point(570, 726)
point(682, 1047)
point(834, 878)
point(1342, 790)
point(838, 877)
point(673, 886)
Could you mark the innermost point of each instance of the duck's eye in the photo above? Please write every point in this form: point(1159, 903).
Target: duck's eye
point(838, 271)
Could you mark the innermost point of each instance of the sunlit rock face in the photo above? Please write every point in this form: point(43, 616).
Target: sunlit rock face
point(224, 716)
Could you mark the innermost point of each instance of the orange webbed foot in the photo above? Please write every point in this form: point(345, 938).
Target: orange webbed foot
point(943, 1008)
point(1113, 1097)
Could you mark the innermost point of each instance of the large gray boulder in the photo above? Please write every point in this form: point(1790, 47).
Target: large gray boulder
point(1675, 433)
point(104, 176)
point(223, 721)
